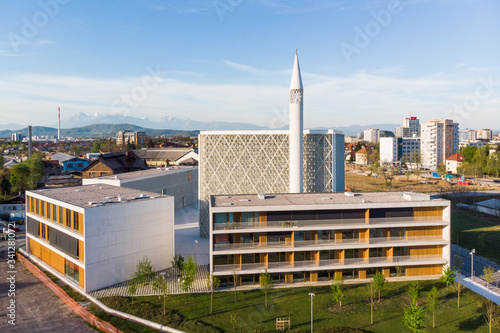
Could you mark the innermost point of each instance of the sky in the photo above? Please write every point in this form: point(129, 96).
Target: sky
point(362, 62)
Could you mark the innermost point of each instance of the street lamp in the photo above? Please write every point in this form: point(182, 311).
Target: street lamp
point(312, 295)
point(196, 242)
point(472, 264)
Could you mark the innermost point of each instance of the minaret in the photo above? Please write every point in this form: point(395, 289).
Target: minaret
point(58, 124)
point(296, 129)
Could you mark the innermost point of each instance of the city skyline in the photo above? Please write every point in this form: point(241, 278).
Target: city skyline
point(372, 62)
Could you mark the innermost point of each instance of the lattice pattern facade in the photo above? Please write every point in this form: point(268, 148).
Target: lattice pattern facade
point(258, 162)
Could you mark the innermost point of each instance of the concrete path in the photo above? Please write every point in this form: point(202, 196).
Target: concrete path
point(187, 235)
point(38, 309)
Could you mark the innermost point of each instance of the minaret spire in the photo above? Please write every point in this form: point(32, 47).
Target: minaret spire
point(296, 129)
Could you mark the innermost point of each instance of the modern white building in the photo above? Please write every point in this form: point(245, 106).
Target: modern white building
point(371, 135)
point(439, 140)
point(181, 182)
point(277, 161)
point(484, 134)
point(93, 236)
point(389, 149)
point(309, 237)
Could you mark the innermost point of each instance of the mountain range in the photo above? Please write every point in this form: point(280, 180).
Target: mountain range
point(84, 125)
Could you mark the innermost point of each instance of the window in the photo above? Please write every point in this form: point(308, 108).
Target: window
point(60, 217)
point(68, 219)
point(42, 208)
point(49, 211)
point(76, 221)
point(72, 271)
point(54, 213)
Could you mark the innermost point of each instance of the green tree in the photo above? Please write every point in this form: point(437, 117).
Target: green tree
point(5, 185)
point(37, 170)
point(213, 283)
point(413, 317)
point(358, 146)
point(188, 275)
point(458, 262)
point(414, 291)
point(488, 275)
point(418, 173)
point(448, 276)
point(235, 282)
point(407, 175)
point(144, 271)
point(161, 287)
point(266, 283)
point(468, 153)
point(337, 292)
point(2, 160)
point(178, 262)
point(76, 150)
point(433, 303)
point(19, 177)
point(96, 147)
point(379, 282)
point(132, 288)
point(233, 321)
point(371, 291)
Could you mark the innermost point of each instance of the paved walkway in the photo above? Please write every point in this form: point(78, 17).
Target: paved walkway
point(172, 275)
point(37, 308)
point(187, 235)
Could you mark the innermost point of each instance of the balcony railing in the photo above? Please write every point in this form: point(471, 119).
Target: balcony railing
point(313, 223)
point(327, 263)
point(325, 243)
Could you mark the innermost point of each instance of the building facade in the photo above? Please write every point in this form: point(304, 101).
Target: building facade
point(439, 140)
point(484, 134)
point(242, 162)
point(454, 162)
point(390, 149)
point(315, 237)
point(371, 135)
point(133, 137)
point(94, 236)
point(413, 124)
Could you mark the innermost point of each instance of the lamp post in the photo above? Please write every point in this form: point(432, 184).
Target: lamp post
point(196, 242)
point(312, 295)
point(472, 264)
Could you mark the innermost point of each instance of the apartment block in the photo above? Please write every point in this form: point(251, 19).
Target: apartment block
point(413, 124)
point(127, 136)
point(390, 149)
point(371, 135)
point(317, 236)
point(439, 140)
point(93, 236)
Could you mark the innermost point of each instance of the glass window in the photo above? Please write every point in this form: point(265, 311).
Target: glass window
point(298, 276)
point(76, 221)
point(247, 258)
point(71, 271)
point(247, 238)
point(299, 256)
point(60, 218)
point(68, 219)
point(42, 208)
point(49, 211)
point(54, 213)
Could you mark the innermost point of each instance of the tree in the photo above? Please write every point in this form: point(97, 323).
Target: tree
point(488, 275)
point(96, 147)
point(414, 291)
point(19, 177)
point(407, 175)
point(418, 173)
point(379, 282)
point(337, 292)
point(144, 271)
point(448, 276)
point(459, 287)
point(468, 153)
point(213, 282)
point(161, 287)
point(132, 288)
point(188, 275)
point(178, 262)
point(233, 321)
point(490, 312)
point(399, 271)
point(266, 283)
point(441, 169)
point(413, 317)
point(2, 160)
point(37, 170)
point(433, 303)
point(235, 282)
point(76, 150)
point(370, 290)
point(5, 185)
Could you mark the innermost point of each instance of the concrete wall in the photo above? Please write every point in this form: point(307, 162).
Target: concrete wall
point(118, 236)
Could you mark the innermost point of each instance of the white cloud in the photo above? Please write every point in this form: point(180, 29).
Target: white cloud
point(241, 67)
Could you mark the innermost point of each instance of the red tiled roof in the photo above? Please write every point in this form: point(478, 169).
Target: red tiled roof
point(456, 157)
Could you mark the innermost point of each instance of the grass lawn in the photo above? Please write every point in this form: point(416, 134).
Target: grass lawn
point(295, 303)
point(361, 183)
point(476, 230)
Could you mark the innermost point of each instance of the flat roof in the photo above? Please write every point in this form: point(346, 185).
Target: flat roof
point(87, 196)
point(267, 132)
point(301, 199)
point(146, 173)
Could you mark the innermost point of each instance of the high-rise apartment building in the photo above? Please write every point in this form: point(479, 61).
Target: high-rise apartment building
point(484, 134)
point(372, 135)
point(413, 123)
point(439, 140)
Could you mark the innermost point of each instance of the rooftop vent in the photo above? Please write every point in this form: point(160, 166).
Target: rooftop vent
point(116, 177)
point(412, 196)
point(262, 196)
point(326, 198)
point(143, 196)
point(227, 204)
point(349, 194)
point(245, 200)
point(121, 199)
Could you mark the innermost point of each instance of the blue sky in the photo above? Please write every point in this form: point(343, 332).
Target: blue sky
point(362, 62)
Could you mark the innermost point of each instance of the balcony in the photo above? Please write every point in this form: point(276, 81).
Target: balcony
point(328, 264)
point(331, 243)
point(287, 225)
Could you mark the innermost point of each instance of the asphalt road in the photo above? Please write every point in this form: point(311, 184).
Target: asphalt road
point(37, 308)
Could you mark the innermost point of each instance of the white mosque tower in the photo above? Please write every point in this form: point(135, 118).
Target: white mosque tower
point(296, 129)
